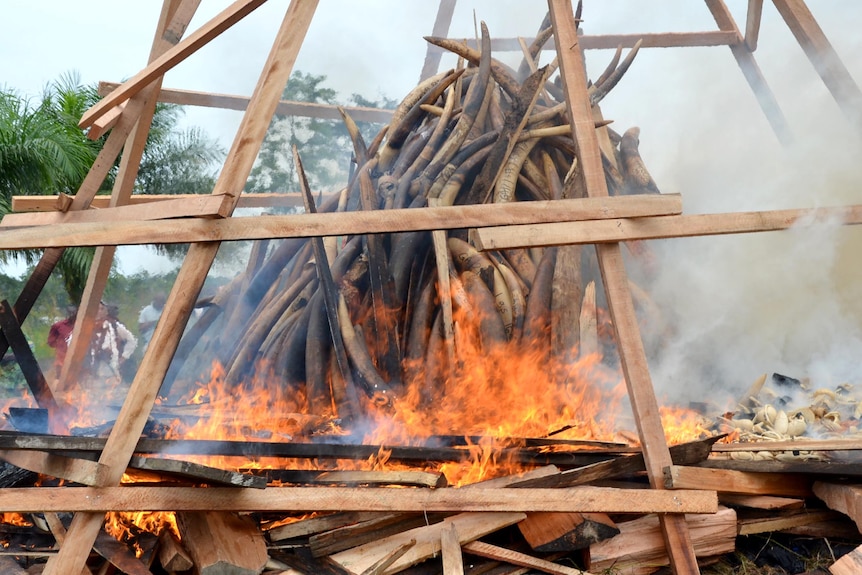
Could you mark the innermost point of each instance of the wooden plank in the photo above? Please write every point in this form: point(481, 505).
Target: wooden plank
point(26, 360)
point(550, 532)
point(639, 548)
point(53, 203)
point(516, 558)
point(752, 73)
point(611, 41)
point(172, 17)
point(187, 286)
point(846, 499)
point(661, 227)
point(470, 526)
point(445, 11)
point(284, 108)
point(619, 299)
point(196, 471)
point(150, 498)
point(172, 555)
point(729, 481)
point(306, 527)
point(752, 24)
point(343, 223)
point(203, 206)
point(823, 56)
point(765, 502)
point(199, 38)
point(752, 526)
point(806, 444)
point(383, 478)
point(81, 471)
point(450, 548)
point(848, 564)
point(223, 543)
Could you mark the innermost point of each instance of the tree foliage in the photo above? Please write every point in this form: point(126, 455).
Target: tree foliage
point(43, 151)
point(324, 144)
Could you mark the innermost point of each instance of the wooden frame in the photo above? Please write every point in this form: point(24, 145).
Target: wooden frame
point(127, 110)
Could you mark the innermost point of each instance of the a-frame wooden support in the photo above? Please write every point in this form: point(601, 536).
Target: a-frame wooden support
point(144, 389)
point(128, 110)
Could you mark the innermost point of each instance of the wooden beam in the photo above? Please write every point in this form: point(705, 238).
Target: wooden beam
point(284, 108)
point(157, 68)
point(639, 543)
point(197, 206)
point(498, 553)
point(823, 56)
point(149, 498)
point(424, 542)
point(848, 564)
point(783, 521)
point(752, 73)
point(661, 227)
point(612, 41)
point(223, 543)
point(233, 176)
point(450, 548)
point(729, 481)
point(752, 24)
point(22, 204)
point(81, 471)
point(844, 444)
point(172, 17)
point(445, 11)
point(846, 499)
point(619, 299)
point(26, 360)
point(338, 223)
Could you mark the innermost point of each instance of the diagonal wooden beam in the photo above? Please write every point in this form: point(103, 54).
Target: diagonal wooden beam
point(445, 11)
point(752, 24)
point(199, 38)
point(751, 71)
point(629, 344)
point(145, 387)
point(175, 16)
point(823, 56)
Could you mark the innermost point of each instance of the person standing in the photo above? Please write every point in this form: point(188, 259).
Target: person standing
point(112, 346)
point(149, 317)
point(59, 337)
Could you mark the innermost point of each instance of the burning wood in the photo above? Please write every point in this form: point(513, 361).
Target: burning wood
point(381, 344)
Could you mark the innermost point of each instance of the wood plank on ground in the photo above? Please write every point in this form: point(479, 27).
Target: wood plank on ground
point(470, 526)
point(729, 481)
point(846, 499)
point(222, 543)
point(848, 564)
point(522, 559)
point(783, 521)
point(639, 548)
point(152, 498)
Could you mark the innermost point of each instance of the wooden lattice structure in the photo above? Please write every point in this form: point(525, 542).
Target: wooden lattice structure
point(127, 111)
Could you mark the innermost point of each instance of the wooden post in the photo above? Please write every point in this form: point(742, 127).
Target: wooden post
point(620, 305)
point(145, 387)
point(824, 58)
point(173, 17)
point(752, 24)
point(445, 11)
point(25, 358)
point(752, 72)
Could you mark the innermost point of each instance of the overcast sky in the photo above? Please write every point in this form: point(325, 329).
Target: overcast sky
point(751, 305)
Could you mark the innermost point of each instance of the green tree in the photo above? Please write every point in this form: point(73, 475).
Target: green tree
point(42, 151)
point(324, 144)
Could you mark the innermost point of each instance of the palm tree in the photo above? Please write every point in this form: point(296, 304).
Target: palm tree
point(42, 151)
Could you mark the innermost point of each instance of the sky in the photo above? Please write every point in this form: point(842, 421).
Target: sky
point(739, 306)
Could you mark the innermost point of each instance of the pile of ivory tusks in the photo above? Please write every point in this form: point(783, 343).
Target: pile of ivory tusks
point(799, 412)
point(372, 326)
